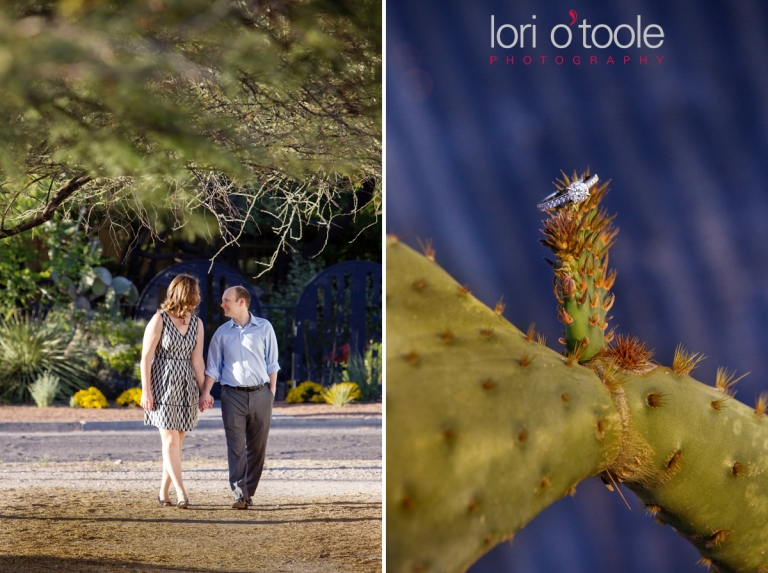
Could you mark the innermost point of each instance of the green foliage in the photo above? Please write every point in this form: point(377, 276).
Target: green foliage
point(116, 331)
point(90, 398)
point(46, 265)
point(341, 394)
point(55, 264)
point(365, 371)
point(20, 273)
point(305, 392)
point(360, 239)
point(44, 390)
point(356, 369)
point(300, 271)
point(163, 111)
point(123, 359)
point(117, 342)
point(68, 274)
point(31, 346)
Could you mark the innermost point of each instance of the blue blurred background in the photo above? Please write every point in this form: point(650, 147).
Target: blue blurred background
point(471, 148)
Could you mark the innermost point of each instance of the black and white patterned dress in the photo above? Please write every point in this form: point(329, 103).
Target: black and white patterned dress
point(172, 379)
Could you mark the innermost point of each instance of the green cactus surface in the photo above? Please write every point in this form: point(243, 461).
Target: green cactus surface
point(486, 427)
point(703, 466)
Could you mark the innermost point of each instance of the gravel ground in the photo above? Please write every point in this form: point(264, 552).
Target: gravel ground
point(309, 516)
point(144, 445)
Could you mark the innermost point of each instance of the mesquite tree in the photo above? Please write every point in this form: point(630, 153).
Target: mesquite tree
point(155, 110)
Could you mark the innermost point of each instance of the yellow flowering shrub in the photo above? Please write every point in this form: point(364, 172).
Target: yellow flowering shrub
point(131, 397)
point(317, 398)
point(305, 392)
point(90, 398)
point(341, 394)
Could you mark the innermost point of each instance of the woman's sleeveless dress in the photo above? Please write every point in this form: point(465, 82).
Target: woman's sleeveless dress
point(172, 379)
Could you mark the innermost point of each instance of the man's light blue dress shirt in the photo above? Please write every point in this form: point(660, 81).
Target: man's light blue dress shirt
point(243, 356)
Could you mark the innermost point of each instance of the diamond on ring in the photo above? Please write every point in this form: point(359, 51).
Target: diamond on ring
point(577, 192)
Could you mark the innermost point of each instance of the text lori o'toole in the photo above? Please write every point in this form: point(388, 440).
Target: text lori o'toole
point(561, 36)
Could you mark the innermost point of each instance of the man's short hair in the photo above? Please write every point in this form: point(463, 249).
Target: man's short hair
point(242, 292)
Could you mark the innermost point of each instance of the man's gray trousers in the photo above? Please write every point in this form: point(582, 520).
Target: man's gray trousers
point(246, 418)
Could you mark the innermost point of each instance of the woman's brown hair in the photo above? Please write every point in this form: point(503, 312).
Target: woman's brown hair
point(183, 295)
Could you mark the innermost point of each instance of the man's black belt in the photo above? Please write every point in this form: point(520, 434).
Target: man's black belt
point(250, 388)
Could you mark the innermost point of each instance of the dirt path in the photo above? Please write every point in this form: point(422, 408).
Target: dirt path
point(28, 413)
point(310, 516)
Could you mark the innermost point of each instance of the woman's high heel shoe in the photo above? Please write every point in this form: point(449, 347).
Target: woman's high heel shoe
point(183, 504)
point(164, 503)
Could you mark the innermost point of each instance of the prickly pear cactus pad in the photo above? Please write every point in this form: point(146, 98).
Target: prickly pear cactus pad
point(703, 466)
point(485, 426)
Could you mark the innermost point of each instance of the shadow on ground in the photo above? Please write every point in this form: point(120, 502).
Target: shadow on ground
point(84, 532)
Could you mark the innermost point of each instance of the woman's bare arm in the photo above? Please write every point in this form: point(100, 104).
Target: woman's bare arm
point(197, 356)
point(152, 335)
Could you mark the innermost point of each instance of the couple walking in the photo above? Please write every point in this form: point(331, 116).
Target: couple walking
point(242, 356)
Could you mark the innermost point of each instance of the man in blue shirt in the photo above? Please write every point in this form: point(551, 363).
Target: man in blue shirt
point(242, 356)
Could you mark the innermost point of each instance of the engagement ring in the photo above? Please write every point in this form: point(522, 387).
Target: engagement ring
point(578, 192)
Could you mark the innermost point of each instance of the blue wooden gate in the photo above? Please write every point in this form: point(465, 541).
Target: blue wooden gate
point(339, 311)
point(212, 286)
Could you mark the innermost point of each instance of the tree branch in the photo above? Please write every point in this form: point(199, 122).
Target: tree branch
point(47, 214)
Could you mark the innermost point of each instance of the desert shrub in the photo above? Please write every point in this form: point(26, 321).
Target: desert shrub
point(317, 398)
point(356, 370)
point(305, 392)
point(341, 394)
point(45, 264)
point(117, 343)
point(90, 398)
point(130, 397)
point(365, 371)
point(373, 361)
point(44, 390)
point(30, 346)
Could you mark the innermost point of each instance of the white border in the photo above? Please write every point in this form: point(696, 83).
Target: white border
point(384, 284)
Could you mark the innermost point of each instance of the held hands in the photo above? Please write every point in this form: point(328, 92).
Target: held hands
point(205, 401)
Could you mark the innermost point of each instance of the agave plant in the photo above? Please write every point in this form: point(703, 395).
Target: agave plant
point(341, 394)
point(31, 346)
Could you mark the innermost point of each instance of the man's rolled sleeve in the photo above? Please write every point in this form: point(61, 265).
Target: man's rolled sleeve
point(270, 351)
point(213, 369)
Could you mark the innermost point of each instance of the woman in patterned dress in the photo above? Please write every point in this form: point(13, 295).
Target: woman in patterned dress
point(172, 371)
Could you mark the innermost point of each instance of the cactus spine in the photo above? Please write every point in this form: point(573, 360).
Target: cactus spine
point(486, 427)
